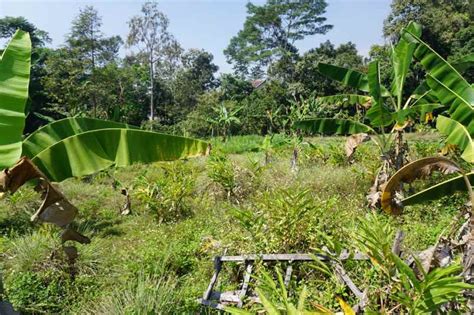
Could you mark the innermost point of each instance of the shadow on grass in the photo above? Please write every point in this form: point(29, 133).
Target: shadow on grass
point(102, 227)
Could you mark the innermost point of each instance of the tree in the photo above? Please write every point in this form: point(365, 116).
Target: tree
point(192, 79)
point(234, 87)
point(308, 81)
point(442, 21)
point(9, 25)
point(271, 31)
point(88, 44)
point(149, 32)
point(224, 118)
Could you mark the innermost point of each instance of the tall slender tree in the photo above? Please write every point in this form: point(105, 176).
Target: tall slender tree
point(74, 80)
point(149, 33)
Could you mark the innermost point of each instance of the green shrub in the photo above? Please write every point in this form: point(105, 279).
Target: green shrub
point(286, 220)
point(169, 195)
point(222, 172)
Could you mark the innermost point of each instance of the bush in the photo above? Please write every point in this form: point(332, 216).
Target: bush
point(286, 221)
point(169, 195)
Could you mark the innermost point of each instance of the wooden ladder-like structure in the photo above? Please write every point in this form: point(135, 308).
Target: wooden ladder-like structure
point(219, 300)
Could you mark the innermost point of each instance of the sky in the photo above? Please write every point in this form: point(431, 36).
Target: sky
point(205, 24)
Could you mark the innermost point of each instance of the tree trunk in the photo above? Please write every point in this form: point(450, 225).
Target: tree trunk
point(294, 160)
point(152, 81)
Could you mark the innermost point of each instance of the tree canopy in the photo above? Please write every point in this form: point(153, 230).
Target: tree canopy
point(270, 32)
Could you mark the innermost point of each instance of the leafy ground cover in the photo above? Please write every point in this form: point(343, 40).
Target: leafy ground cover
point(159, 258)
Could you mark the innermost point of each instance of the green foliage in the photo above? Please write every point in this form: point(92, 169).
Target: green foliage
point(270, 32)
point(443, 22)
point(309, 81)
point(14, 80)
point(221, 171)
point(424, 293)
point(223, 119)
point(144, 293)
point(450, 88)
point(275, 298)
point(168, 197)
point(285, 221)
point(130, 257)
point(99, 149)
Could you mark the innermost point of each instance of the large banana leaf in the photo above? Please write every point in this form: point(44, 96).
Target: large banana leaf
point(440, 190)
point(460, 108)
point(349, 77)
point(379, 114)
point(419, 110)
point(442, 72)
point(464, 63)
point(92, 151)
point(332, 126)
point(352, 78)
point(344, 100)
point(457, 134)
point(402, 55)
point(14, 80)
point(56, 131)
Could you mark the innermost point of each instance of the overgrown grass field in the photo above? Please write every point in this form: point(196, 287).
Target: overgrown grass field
point(159, 259)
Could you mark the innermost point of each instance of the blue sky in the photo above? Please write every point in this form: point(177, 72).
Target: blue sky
point(207, 24)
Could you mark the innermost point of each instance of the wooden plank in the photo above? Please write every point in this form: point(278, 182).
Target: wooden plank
point(344, 278)
point(245, 284)
point(226, 297)
point(291, 257)
point(212, 304)
point(397, 243)
point(217, 269)
point(289, 271)
point(270, 257)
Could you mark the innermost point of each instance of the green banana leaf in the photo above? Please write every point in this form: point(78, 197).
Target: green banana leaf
point(441, 70)
point(58, 130)
point(459, 108)
point(379, 115)
point(464, 63)
point(419, 110)
point(343, 100)
point(14, 79)
point(349, 77)
point(457, 134)
point(445, 188)
point(352, 78)
point(329, 126)
point(423, 94)
point(93, 151)
point(402, 55)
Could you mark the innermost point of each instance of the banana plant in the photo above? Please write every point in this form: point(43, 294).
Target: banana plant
point(73, 147)
point(456, 123)
point(224, 119)
point(389, 113)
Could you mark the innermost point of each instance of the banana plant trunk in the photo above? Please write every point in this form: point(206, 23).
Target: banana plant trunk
point(392, 161)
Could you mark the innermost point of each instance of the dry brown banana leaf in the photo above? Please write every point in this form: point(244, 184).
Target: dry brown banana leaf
point(72, 235)
point(353, 142)
point(415, 170)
